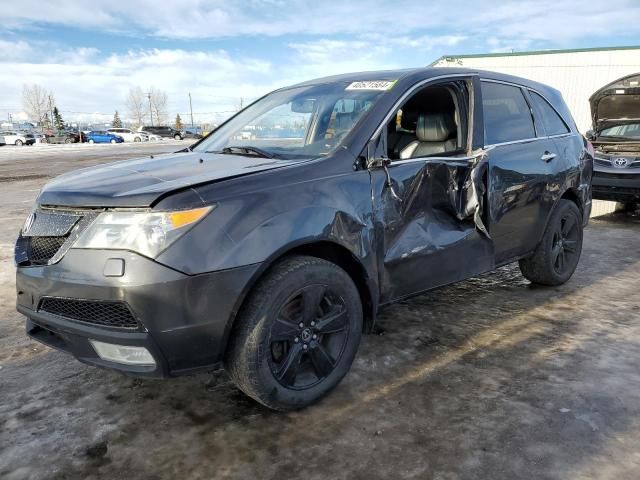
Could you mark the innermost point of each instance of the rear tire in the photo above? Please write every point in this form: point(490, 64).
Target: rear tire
point(558, 254)
point(177, 137)
point(296, 334)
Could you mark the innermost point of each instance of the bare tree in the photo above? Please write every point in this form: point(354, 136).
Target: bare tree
point(137, 106)
point(36, 102)
point(159, 101)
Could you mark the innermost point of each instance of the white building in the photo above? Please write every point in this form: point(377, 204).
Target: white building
point(576, 73)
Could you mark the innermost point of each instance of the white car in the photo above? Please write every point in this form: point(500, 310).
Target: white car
point(12, 137)
point(129, 135)
point(2, 142)
point(152, 137)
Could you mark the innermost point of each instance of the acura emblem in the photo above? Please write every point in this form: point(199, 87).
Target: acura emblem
point(28, 223)
point(620, 162)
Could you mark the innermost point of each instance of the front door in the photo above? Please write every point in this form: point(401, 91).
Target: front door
point(419, 196)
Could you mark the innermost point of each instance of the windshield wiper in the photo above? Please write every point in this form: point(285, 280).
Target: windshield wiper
point(246, 150)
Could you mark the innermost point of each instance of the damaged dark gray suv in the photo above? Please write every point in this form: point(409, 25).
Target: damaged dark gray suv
point(269, 246)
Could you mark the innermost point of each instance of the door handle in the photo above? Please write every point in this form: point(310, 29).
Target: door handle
point(548, 156)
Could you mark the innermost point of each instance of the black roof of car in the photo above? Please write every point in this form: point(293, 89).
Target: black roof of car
point(424, 72)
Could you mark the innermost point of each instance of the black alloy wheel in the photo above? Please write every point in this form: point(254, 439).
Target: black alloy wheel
point(564, 248)
point(296, 334)
point(558, 253)
point(308, 337)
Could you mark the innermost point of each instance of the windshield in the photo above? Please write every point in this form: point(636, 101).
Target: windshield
point(630, 130)
point(299, 122)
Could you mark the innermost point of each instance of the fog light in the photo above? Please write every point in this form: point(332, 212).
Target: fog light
point(123, 353)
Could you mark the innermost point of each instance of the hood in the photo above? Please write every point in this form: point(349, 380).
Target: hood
point(617, 103)
point(141, 182)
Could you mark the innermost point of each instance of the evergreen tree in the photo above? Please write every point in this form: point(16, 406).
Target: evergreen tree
point(178, 124)
point(57, 119)
point(116, 123)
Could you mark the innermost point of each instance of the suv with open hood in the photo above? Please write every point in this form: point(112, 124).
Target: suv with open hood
point(615, 112)
point(271, 253)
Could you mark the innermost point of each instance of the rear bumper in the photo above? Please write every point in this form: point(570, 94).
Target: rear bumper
point(184, 320)
point(615, 186)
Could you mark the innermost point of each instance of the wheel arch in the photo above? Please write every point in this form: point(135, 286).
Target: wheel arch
point(570, 194)
point(327, 250)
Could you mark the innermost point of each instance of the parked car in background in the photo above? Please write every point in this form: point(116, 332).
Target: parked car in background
point(13, 137)
point(188, 134)
point(615, 114)
point(129, 135)
point(166, 132)
point(64, 137)
point(152, 137)
point(272, 255)
point(102, 136)
point(40, 137)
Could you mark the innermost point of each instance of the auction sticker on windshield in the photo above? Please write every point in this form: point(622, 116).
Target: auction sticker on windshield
point(371, 85)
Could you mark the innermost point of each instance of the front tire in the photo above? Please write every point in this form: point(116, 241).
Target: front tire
point(177, 137)
point(296, 335)
point(137, 139)
point(113, 140)
point(557, 256)
point(91, 140)
point(18, 143)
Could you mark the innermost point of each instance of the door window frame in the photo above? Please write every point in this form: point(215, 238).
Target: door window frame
point(539, 130)
point(375, 144)
point(540, 114)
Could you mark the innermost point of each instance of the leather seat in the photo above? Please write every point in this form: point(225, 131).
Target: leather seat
point(436, 134)
point(403, 135)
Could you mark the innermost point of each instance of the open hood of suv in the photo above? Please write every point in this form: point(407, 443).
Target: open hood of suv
point(141, 182)
point(617, 103)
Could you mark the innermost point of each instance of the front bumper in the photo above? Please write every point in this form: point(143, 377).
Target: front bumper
point(184, 320)
point(618, 185)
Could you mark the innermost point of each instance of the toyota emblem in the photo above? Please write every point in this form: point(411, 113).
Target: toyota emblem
point(28, 223)
point(620, 162)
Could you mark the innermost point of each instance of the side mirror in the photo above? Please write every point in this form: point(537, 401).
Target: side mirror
point(377, 152)
point(590, 135)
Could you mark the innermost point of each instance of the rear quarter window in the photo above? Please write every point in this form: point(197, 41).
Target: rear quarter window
point(507, 116)
point(547, 116)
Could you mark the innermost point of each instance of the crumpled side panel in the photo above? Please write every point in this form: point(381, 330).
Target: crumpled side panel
point(432, 219)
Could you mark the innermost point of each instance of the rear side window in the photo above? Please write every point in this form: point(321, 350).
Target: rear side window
point(507, 116)
point(549, 118)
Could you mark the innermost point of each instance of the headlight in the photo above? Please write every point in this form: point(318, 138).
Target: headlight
point(148, 233)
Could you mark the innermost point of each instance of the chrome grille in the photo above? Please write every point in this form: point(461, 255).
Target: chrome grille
point(41, 249)
point(48, 233)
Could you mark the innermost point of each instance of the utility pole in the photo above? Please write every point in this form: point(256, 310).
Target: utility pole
point(191, 109)
point(51, 111)
point(241, 103)
point(150, 111)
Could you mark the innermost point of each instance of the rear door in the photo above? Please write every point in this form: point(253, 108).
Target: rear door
point(521, 164)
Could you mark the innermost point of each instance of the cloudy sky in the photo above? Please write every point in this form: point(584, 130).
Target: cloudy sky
point(89, 53)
